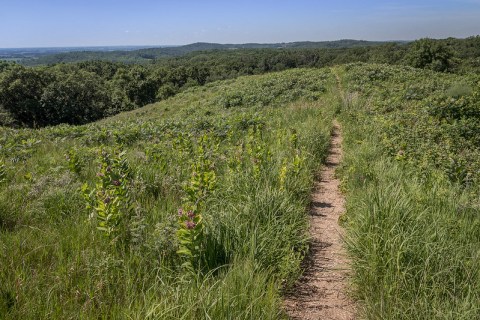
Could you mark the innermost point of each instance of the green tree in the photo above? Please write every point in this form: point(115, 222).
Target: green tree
point(137, 85)
point(4, 65)
point(430, 54)
point(20, 94)
point(390, 53)
point(75, 97)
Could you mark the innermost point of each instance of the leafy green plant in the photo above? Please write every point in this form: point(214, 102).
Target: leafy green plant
point(202, 183)
point(203, 177)
point(258, 150)
point(3, 171)
point(75, 163)
point(190, 236)
point(110, 201)
point(290, 168)
point(282, 176)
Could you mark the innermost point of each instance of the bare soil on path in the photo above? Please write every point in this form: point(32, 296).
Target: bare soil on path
point(322, 291)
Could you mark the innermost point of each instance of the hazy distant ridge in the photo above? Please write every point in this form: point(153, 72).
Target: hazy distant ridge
point(35, 56)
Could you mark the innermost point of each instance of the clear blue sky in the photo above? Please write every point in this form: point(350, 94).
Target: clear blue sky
point(34, 23)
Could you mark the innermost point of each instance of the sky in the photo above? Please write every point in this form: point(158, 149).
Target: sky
point(60, 23)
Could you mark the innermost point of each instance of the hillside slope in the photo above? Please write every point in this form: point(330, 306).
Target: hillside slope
point(190, 208)
point(411, 177)
point(195, 207)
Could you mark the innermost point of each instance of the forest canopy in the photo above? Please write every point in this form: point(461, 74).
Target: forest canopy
point(85, 91)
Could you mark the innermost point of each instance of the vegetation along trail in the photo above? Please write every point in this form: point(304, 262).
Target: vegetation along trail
point(321, 291)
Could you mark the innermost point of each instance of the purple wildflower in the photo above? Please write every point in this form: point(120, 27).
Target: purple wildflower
point(116, 183)
point(180, 212)
point(190, 224)
point(190, 214)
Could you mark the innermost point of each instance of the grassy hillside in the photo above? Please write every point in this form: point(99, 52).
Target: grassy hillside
point(192, 208)
point(83, 92)
point(195, 207)
point(411, 177)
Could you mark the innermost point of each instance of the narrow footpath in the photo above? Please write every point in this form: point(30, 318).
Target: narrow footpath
point(321, 293)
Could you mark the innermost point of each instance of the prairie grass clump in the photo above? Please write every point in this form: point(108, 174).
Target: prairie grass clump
point(458, 90)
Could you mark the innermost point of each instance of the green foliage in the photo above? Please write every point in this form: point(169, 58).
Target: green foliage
point(414, 242)
point(244, 239)
point(3, 172)
point(430, 54)
point(424, 123)
point(257, 150)
point(202, 183)
point(190, 234)
point(458, 90)
point(49, 96)
point(110, 201)
point(89, 89)
point(75, 163)
point(74, 96)
point(410, 174)
point(242, 176)
point(136, 84)
point(166, 91)
point(203, 178)
point(20, 94)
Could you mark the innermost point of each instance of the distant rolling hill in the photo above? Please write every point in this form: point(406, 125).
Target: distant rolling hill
point(148, 54)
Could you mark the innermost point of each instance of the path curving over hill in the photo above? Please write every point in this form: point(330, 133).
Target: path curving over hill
point(321, 293)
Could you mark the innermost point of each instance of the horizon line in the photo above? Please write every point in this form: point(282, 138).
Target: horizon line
point(231, 43)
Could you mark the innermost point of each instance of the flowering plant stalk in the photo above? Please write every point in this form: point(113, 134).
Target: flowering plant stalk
point(74, 162)
point(109, 201)
point(202, 183)
point(190, 236)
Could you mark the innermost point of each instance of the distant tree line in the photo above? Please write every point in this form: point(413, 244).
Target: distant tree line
point(83, 92)
point(149, 54)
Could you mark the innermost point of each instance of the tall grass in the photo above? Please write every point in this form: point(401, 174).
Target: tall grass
point(55, 264)
point(414, 238)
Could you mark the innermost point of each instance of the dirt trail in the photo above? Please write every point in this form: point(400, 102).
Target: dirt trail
point(321, 293)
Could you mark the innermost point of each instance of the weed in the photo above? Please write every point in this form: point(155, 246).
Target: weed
point(109, 201)
point(3, 171)
point(75, 164)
